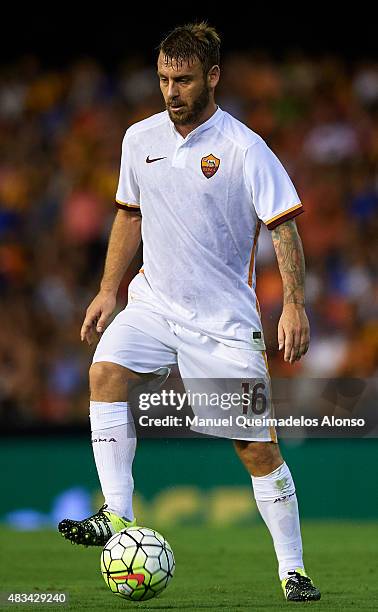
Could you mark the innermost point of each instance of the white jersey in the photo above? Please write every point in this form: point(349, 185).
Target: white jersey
point(202, 199)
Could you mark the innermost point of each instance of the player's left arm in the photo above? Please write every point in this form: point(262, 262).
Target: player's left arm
point(293, 326)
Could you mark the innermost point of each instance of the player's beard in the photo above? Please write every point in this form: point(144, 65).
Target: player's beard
point(190, 114)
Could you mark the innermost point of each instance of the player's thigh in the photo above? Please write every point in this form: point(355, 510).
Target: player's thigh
point(202, 356)
point(230, 383)
point(138, 340)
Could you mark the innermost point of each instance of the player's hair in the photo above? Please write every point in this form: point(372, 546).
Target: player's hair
point(192, 40)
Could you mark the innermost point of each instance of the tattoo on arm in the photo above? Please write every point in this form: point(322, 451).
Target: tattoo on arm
point(289, 251)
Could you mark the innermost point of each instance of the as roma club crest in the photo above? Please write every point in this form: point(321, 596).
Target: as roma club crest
point(209, 165)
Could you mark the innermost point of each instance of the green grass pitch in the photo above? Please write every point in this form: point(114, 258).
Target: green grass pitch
point(230, 568)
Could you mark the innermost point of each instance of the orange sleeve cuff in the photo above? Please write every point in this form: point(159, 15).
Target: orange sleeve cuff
point(132, 208)
point(284, 216)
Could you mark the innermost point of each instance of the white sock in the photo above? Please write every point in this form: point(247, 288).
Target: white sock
point(114, 444)
point(277, 502)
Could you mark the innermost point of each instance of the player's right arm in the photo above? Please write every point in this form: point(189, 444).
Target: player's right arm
point(123, 244)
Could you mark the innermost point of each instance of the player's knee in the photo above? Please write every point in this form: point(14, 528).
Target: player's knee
point(264, 452)
point(259, 456)
point(106, 377)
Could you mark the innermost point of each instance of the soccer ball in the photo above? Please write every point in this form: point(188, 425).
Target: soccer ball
point(137, 563)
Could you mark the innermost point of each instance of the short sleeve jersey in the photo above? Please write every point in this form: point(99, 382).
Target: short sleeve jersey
point(202, 199)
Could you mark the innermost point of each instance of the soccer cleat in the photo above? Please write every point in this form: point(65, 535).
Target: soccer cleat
point(95, 530)
point(299, 587)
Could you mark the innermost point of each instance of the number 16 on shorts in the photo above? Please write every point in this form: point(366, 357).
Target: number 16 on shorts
point(254, 398)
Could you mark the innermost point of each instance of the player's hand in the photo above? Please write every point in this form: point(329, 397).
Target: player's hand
point(98, 312)
point(293, 332)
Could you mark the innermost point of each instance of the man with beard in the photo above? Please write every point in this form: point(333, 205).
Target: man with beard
point(195, 184)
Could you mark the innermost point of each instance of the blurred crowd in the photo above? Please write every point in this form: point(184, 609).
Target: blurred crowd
point(61, 133)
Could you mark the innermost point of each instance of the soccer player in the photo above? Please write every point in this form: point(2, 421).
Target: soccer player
point(195, 184)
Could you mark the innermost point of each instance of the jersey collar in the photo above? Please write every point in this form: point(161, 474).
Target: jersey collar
point(201, 128)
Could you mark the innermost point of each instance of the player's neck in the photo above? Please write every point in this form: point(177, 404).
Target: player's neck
point(184, 130)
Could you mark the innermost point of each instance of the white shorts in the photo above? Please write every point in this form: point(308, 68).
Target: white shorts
point(147, 342)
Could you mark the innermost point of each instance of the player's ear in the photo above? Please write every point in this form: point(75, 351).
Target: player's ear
point(213, 76)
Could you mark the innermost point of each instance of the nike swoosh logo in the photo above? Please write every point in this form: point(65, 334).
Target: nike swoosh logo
point(138, 577)
point(150, 161)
